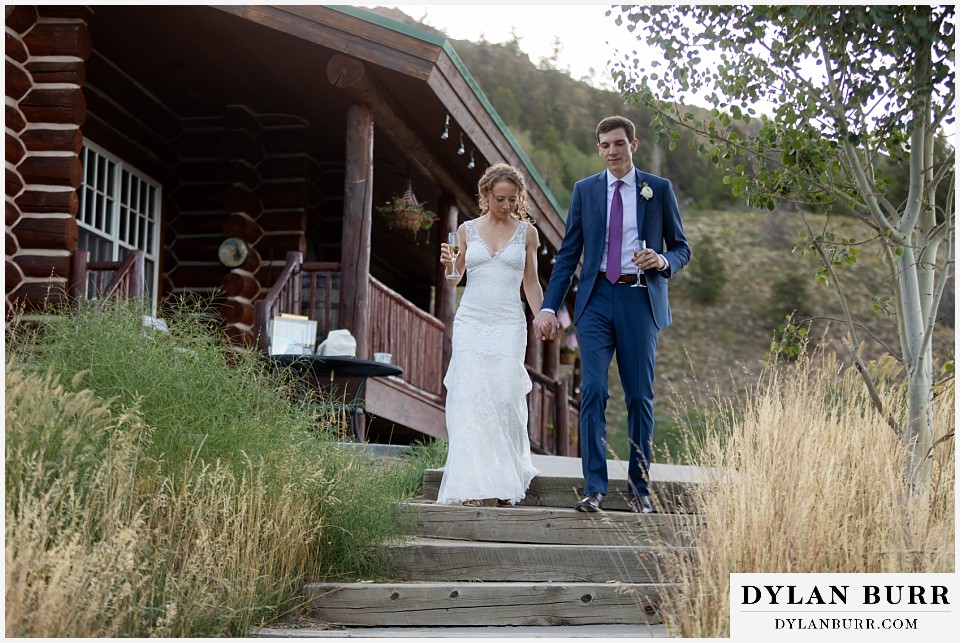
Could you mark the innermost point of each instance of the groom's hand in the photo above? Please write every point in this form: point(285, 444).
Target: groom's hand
point(546, 324)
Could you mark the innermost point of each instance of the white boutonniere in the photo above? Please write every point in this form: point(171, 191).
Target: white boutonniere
point(646, 191)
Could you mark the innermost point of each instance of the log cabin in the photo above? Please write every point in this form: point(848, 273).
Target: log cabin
point(144, 141)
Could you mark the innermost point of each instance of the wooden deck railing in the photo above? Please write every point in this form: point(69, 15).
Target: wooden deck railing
point(413, 337)
point(308, 288)
point(553, 416)
point(103, 280)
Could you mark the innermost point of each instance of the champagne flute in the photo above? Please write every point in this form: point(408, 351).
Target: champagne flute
point(453, 244)
point(640, 247)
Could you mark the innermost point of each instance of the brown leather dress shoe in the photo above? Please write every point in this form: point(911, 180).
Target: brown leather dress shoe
point(641, 505)
point(591, 502)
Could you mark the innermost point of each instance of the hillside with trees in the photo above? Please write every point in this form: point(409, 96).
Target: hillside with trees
point(554, 118)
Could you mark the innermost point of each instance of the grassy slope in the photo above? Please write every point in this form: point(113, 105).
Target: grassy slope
point(712, 352)
point(164, 484)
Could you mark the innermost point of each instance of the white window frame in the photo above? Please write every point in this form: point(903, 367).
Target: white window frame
point(139, 210)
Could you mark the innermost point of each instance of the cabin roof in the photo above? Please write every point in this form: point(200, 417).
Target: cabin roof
point(288, 61)
point(447, 46)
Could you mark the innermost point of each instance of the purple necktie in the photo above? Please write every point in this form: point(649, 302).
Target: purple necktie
point(616, 235)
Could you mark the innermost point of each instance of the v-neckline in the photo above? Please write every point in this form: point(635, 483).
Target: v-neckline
point(487, 246)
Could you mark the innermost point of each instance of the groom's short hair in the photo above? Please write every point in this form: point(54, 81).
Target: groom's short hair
point(611, 123)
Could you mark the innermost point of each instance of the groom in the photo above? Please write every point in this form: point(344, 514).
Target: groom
point(609, 214)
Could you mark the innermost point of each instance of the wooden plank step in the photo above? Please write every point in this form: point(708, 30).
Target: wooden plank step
point(565, 491)
point(487, 604)
point(548, 525)
point(314, 629)
point(429, 559)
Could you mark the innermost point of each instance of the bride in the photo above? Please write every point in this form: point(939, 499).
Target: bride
point(487, 383)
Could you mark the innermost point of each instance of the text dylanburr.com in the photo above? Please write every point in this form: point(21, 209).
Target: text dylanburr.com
point(844, 607)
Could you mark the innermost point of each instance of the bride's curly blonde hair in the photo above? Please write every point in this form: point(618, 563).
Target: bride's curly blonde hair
point(504, 172)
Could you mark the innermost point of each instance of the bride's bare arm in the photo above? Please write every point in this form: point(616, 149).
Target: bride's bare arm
point(531, 280)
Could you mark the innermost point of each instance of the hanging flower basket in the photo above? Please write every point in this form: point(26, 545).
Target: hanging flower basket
point(406, 219)
point(406, 213)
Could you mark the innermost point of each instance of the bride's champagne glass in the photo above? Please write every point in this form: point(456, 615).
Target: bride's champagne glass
point(453, 244)
point(640, 247)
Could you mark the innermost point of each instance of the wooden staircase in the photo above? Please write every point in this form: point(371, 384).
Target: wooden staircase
point(540, 563)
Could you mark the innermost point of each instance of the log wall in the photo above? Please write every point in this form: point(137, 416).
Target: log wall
point(59, 92)
point(239, 174)
point(236, 173)
point(46, 52)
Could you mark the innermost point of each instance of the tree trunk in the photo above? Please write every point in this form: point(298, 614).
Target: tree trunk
point(918, 361)
point(656, 160)
point(916, 279)
point(919, 433)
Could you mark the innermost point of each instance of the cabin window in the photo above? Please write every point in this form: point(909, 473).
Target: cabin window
point(119, 211)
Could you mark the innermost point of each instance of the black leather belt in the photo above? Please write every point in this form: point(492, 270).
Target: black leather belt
point(627, 279)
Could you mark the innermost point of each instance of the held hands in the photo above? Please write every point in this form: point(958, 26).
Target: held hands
point(546, 324)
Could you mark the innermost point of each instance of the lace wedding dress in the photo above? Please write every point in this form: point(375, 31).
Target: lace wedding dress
point(487, 383)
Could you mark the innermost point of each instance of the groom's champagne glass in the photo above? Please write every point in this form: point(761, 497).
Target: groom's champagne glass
point(641, 246)
point(453, 243)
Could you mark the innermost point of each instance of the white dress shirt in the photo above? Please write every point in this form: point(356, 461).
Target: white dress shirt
point(630, 237)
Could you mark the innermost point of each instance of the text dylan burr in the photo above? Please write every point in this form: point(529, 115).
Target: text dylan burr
point(837, 595)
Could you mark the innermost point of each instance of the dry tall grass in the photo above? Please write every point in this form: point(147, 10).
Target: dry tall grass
point(189, 492)
point(91, 550)
point(811, 482)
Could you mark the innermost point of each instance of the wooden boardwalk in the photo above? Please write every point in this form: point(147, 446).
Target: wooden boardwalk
point(539, 565)
point(560, 484)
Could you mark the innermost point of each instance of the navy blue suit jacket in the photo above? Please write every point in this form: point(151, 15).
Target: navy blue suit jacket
point(658, 221)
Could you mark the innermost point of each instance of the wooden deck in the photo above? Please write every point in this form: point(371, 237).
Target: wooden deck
point(410, 406)
point(392, 399)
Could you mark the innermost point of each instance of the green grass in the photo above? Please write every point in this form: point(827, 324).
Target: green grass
point(674, 438)
point(203, 398)
point(193, 454)
point(431, 454)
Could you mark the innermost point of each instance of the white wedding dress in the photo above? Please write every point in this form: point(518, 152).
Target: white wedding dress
point(487, 383)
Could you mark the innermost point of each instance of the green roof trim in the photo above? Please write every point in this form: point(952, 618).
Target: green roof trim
point(390, 23)
point(440, 41)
